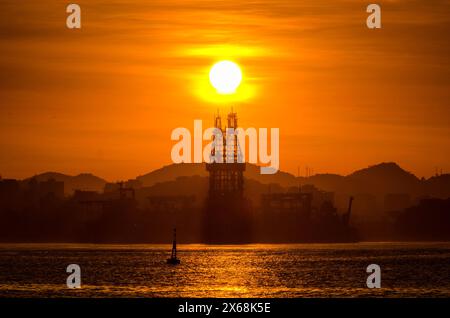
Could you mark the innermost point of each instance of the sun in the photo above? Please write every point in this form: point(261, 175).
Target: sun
point(225, 77)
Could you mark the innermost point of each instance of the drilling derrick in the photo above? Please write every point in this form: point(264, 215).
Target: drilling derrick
point(226, 178)
point(227, 215)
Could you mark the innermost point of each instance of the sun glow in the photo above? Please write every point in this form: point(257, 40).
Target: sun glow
point(223, 81)
point(225, 77)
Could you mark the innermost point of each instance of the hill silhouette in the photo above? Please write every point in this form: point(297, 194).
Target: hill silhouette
point(171, 172)
point(384, 178)
point(379, 179)
point(381, 192)
point(83, 181)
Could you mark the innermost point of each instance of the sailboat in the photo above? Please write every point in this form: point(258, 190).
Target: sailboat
point(173, 260)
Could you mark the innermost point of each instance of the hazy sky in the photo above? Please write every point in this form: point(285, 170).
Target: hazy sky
point(104, 99)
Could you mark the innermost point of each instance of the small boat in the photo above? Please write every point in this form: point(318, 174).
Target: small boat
point(173, 260)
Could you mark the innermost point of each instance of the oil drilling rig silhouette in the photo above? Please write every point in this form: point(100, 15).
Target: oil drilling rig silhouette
point(227, 214)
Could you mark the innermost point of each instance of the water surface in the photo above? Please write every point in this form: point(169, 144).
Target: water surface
point(293, 270)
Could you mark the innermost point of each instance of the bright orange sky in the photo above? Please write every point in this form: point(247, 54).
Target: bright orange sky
point(104, 99)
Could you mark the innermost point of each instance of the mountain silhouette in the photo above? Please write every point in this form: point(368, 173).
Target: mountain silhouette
point(379, 179)
point(327, 181)
point(171, 172)
point(384, 178)
point(83, 181)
